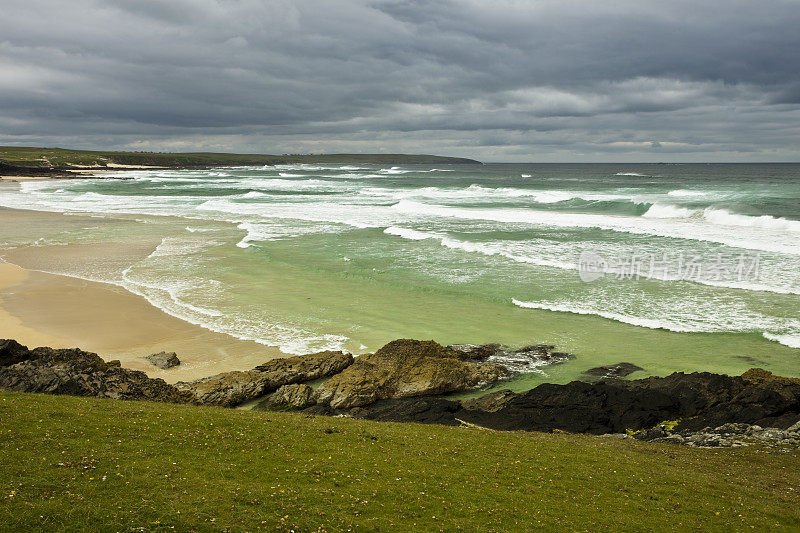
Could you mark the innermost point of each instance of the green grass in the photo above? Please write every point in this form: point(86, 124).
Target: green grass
point(82, 463)
point(62, 158)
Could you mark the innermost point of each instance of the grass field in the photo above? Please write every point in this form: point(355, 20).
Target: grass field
point(62, 158)
point(79, 463)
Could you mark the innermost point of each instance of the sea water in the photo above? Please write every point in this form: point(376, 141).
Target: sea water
point(671, 267)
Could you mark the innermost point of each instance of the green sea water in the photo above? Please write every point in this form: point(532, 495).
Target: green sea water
point(670, 267)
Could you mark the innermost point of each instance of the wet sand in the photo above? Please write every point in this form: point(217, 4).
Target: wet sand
point(43, 309)
point(63, 312)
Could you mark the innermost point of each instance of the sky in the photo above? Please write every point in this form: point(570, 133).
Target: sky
point(495, 80)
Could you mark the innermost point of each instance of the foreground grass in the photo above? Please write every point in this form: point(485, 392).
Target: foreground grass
point(60, 157)
point(84, 463)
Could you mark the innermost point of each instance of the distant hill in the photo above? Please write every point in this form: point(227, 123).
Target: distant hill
point(60, 158)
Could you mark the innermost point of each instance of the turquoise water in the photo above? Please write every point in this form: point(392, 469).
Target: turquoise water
point(673, 267)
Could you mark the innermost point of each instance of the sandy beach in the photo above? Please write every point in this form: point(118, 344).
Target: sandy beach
point(43, 309)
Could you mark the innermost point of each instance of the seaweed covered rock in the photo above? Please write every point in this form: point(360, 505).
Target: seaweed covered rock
point(406, 368)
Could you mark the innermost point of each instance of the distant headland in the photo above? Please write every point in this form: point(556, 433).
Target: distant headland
point(25, 161)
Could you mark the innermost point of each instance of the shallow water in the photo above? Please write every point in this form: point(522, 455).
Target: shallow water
point(671, 267)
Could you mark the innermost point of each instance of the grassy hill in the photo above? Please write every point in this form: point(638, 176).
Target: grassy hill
point(63, 158)
point(76, 463)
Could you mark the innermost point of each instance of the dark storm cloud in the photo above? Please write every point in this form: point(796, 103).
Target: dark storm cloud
point(497, 80)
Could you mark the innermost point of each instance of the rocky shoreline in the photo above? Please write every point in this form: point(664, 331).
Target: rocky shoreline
point(404, 382)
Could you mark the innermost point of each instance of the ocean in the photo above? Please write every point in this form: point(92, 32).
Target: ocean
point(673, 267)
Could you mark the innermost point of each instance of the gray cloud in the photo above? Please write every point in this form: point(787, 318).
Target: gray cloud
point(497, 80)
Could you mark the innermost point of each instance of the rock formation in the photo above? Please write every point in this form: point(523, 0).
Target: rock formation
point(406, 368)
point(295, 396)
point(78, 373)
point(233, 388)
point(697, 401)
point(164, 360)
point(619, 370)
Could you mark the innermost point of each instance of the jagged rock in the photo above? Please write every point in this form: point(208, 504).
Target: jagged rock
point(618, 370)
point(651, 434)
point(11, 352)
point(295, 396)
point(425, 409)
point(527, 358)
point(541, 349)
point(474, 352)
point(232, 388)
point(699, 400)
point(402, 369)
point(164, 360)
point(77, 373)
point(491, 402)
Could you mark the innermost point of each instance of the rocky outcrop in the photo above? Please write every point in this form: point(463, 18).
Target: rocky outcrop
point(494, 401)
point(406, 368)
point(475, 352)
point(730, 435)
point(164, 360)
point(77, 373)
point(296, 396)
point(619, 370)
point(696, 401)
point(523, 359)
point(233, 388)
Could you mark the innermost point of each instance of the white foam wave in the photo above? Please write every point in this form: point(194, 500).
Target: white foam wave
point(668, 211)
point(684, 192)
point(245, 242)
point(759, 238)
point(254, 194)
point(393, 170)
point(632, 174)
point(412, 234)
point(633, 320)
point(199, 230)
point(792, 341)
point(724, 217)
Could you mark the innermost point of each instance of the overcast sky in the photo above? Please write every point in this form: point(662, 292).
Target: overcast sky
point(497, 80)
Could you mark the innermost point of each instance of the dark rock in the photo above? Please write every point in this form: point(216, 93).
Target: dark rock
point(651, 434)
point(11, 352)
point(474, 352)
point(525, 358)
point(491, 402)
point(405, 368)
point(699, 400)
point(426, 410)
point(618, 370)
point(541, 349)
point(232, 388)
point(164, 360)
point(78, 373)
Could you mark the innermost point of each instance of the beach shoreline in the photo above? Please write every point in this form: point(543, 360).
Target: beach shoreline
point(45, 309)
